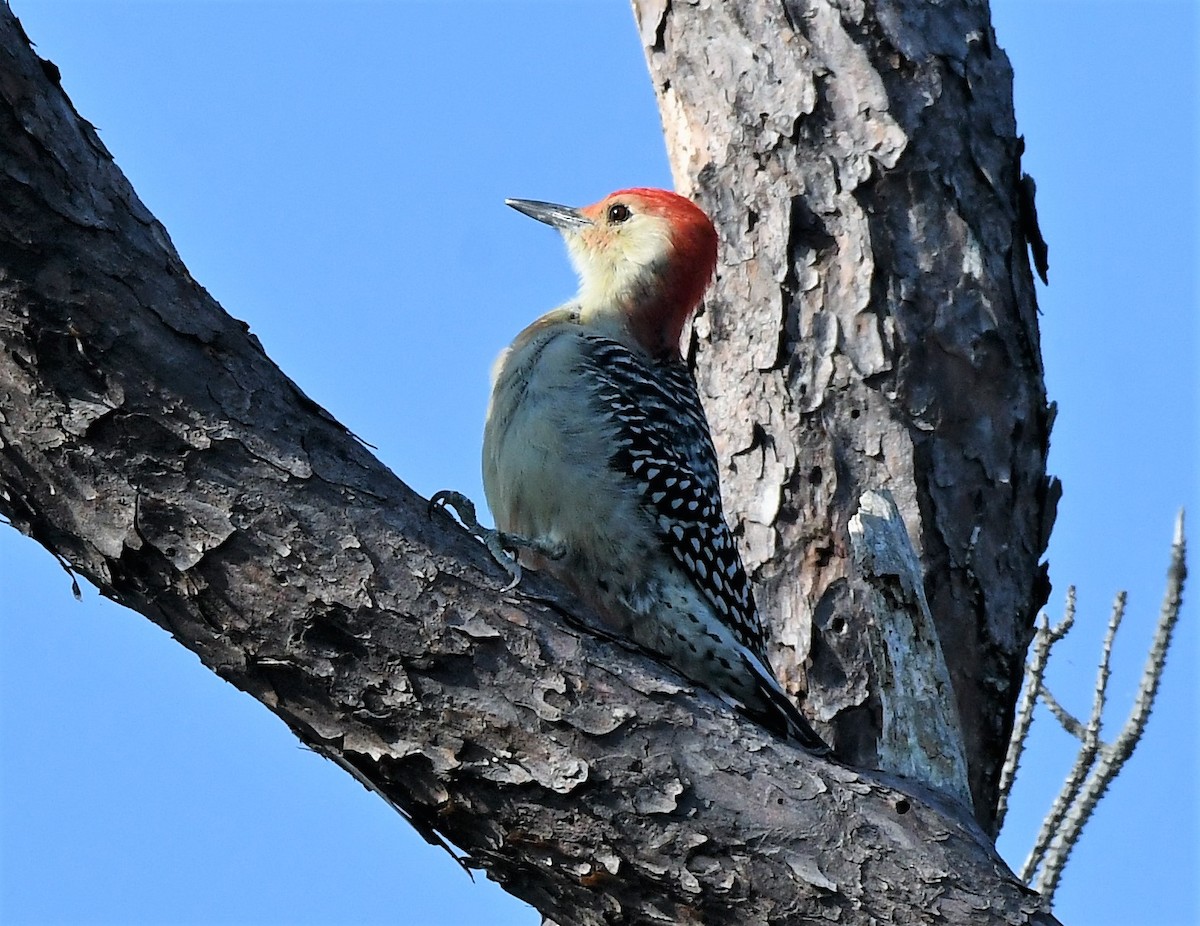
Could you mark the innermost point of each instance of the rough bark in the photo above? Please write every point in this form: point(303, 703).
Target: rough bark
point(148, 442)
point(874, 327)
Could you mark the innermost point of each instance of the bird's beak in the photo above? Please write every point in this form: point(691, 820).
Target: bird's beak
point(564, 218)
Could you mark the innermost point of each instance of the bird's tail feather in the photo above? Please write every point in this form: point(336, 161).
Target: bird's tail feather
point(779, 714)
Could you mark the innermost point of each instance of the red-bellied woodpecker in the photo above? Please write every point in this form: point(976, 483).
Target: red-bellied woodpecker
point(597, 458)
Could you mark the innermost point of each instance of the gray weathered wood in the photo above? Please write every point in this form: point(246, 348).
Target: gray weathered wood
point(921, 736)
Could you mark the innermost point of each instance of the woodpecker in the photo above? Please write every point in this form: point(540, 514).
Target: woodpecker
point(598, 464)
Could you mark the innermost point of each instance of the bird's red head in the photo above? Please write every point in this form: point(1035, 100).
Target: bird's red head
point(656, 252)
point(644, 256)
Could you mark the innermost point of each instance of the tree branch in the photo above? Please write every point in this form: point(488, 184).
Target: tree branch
point(1035, 671)
point(1097, 764)
point(1089, 738)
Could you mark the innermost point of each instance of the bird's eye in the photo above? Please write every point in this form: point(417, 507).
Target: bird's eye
point(618, 213)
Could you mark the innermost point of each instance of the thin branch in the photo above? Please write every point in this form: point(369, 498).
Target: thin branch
point(1113, 758)
point(1103, 672)
point(1090, 744)
point(1068, 721)
point(1035, 670)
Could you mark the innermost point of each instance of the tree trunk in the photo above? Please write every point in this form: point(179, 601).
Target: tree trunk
point(874, 327)
point(148, 442)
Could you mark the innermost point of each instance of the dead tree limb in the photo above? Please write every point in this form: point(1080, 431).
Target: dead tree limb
point(921, 737)
point(1097, 763)
point(1035, 671)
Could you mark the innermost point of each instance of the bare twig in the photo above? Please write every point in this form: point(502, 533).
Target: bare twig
point(1088, 750)
point(1069, 721)
point(1035, 670)
point(1113, 758)
point(1097, 763)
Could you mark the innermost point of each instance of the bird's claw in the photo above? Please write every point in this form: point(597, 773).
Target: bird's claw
point(502, 546)
point(462, 506)
point(496, 545)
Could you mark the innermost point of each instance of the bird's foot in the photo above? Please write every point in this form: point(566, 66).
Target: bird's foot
point(503, 546)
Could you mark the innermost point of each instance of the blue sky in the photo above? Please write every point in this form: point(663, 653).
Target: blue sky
point(335, 175)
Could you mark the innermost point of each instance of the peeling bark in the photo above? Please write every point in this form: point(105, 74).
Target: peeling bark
point(873, 327)
point(147, 440)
